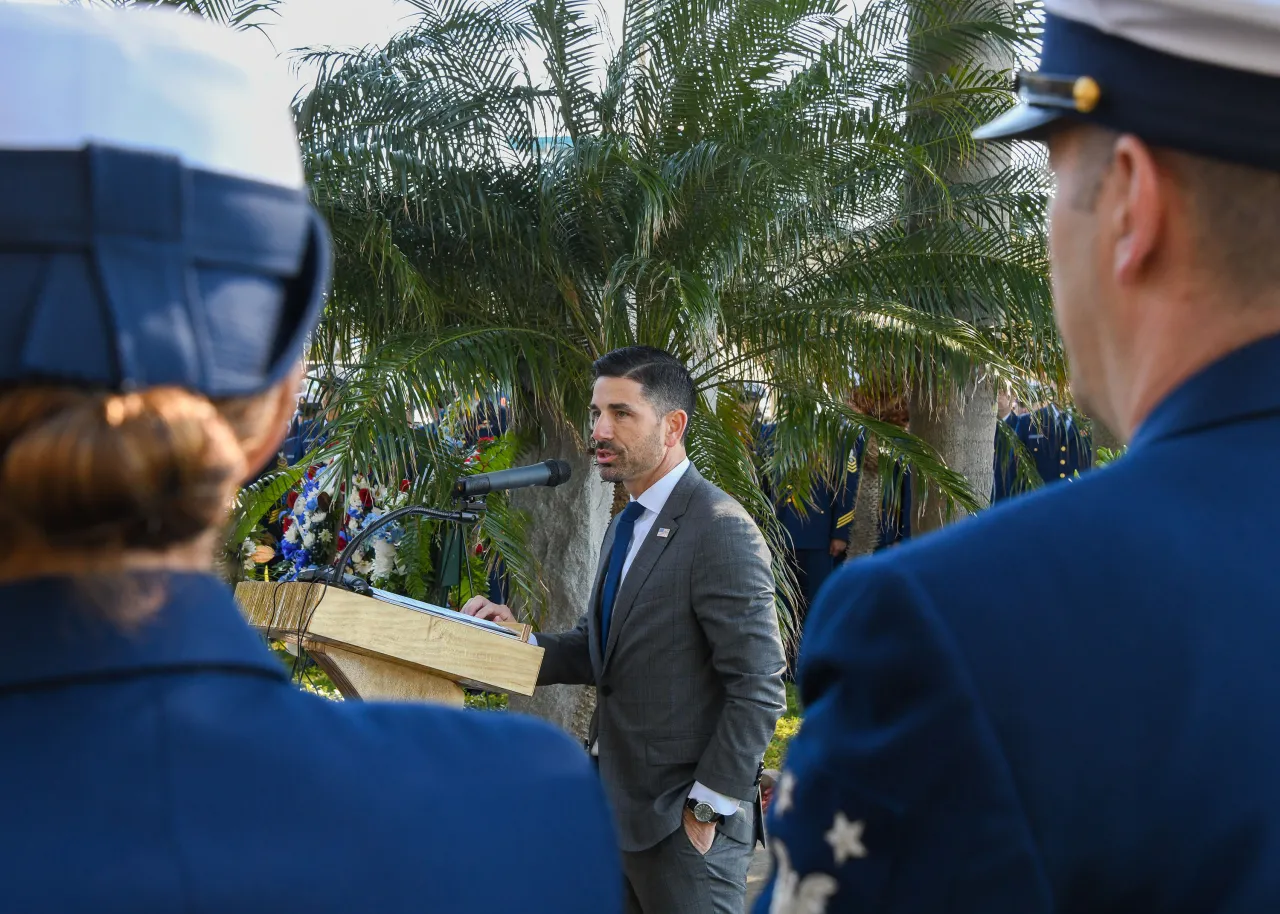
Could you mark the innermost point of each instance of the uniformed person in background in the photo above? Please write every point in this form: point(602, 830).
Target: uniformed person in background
point(1115, 745)
point(160, 271)
point(1053, 439)
point(306, 428)
point(819, 529)
point(1014, 434)
point(817, 526)
point(1059, 446)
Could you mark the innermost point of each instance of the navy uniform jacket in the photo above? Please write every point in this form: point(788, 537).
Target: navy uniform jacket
point(177, 769)
point(822, 522)
point(1113, 746)
point(302, 438)
point(811, 534)
point(1006, 461)
point(1057, 445)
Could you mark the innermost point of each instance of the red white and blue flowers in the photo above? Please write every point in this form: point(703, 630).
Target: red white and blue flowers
point(307, 527)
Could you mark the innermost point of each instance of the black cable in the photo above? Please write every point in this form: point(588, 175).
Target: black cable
point(303, 624)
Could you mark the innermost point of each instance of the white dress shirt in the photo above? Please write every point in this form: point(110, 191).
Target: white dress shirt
point(654, 499)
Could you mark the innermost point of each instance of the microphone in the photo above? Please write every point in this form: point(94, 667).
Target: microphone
point(548, 473)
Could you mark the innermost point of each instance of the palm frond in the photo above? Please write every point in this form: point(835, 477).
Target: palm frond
point(759, 186)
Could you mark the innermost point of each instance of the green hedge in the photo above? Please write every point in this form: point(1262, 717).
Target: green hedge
point(788, 726)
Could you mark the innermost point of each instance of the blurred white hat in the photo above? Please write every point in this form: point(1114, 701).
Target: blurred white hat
point(155, 226)
point(146, 78)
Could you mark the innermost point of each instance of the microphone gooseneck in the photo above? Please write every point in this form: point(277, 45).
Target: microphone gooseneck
point(336, 570)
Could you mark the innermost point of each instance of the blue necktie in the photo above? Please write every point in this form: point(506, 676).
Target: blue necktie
point(617, 558)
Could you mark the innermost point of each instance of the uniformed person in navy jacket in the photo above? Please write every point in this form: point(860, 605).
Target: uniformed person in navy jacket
point(1058, 445)
point(819, 531)
point(1006, 483)
point(160, 270)
point(1112, 744)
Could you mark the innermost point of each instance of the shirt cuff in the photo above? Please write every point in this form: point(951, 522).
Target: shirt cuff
point(725, 806)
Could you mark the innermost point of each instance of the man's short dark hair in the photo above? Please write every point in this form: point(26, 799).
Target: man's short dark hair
point(664, 379)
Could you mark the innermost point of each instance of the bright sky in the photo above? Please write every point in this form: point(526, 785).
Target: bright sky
point(357, 23)
point(346, 23)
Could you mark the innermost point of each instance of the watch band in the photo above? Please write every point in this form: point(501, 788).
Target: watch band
point(692, 805)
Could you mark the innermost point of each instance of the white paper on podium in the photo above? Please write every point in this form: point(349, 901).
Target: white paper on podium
point(432, 609)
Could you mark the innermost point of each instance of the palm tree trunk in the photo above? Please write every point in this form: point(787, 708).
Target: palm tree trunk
point(620, 499)
point(959, 419)
point(567, 526)
point(865, 533)
point(962, 430)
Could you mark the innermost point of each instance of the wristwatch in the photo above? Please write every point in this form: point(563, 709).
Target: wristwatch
point(703, 812)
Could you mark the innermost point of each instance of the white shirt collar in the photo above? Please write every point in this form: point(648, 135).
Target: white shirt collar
point(655, 497)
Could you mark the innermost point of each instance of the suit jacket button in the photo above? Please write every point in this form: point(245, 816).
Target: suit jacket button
point(606, 691)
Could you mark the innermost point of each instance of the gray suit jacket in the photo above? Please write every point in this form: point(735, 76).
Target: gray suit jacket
point(690, 684)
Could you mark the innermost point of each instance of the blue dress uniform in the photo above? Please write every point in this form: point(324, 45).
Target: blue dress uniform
point(162, 235)
point(1054, 441)
point(176, 768)
point(813, 530)
point(1058, 446)
point(1114, 746)
point(1005, 462)
point(305, 435)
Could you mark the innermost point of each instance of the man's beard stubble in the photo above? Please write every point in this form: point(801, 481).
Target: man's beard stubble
point(614, 472)
point(627, 463)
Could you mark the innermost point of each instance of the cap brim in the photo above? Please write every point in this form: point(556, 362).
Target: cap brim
point(1021, 122)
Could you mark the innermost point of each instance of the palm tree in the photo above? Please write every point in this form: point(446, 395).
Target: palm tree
point(732, 188)
point(956, 414)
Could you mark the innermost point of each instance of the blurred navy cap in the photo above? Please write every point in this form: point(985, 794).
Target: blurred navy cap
point(155, 227)
point(1202, 76)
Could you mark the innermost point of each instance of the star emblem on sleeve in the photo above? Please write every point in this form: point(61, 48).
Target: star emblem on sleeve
point(793, 894)
point(786, 792)
point(845, 838)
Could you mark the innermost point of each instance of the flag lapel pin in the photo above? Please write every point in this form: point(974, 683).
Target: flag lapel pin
point(663, 532)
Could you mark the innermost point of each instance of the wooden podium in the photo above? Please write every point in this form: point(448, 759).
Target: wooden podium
point(377, 650)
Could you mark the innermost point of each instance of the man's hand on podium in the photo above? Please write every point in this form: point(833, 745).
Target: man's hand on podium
point(484, 608)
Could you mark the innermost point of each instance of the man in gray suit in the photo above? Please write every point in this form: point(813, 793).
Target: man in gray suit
point(681, 641)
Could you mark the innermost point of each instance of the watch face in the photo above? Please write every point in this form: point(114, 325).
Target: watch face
point(704, 812)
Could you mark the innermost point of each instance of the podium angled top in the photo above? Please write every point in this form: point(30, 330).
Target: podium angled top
point(432, 644)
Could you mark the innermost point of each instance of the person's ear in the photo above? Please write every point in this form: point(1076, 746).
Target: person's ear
point(676, 422)
point(1133, 205)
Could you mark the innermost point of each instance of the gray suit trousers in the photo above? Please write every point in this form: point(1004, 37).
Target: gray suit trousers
point(673, 878)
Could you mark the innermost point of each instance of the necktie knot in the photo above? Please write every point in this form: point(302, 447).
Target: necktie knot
point(631, 513)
